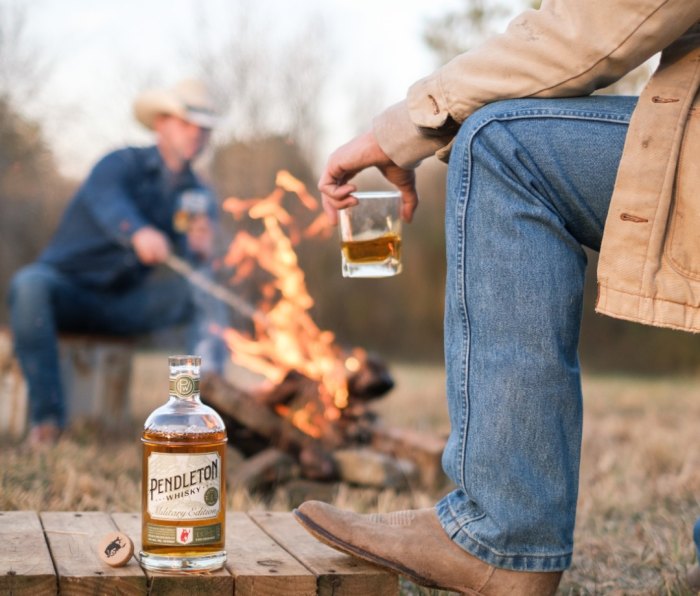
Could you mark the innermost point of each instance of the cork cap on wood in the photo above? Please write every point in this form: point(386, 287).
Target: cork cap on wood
point(115, 549)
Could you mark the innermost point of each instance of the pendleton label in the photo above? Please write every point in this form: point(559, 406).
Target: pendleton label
point(184, 385)
point(183, 486)
point(183, 535)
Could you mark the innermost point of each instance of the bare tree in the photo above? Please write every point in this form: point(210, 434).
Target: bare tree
point(23, 66)
point(32, 192)
point(263, 87)
point(458, 30)
point(303, 70)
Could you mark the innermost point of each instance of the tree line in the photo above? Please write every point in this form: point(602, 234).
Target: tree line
point(271, 126)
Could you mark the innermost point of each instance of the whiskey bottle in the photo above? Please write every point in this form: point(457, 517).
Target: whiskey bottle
point(183, 478)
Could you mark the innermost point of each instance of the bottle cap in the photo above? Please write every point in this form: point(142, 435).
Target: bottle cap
point(115, 549)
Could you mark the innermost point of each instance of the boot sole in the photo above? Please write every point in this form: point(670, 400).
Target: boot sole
point(333, 541)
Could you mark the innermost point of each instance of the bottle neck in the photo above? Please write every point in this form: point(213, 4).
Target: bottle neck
point(184, 378)
point(184, 387)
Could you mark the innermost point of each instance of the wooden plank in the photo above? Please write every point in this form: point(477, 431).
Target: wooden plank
point(73, 540)
point(336, 574)
point(174, 584)
point(260, 566)
point(25, 563)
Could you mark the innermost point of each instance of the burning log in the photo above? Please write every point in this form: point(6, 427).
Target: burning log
point(355, 448)
point(266, 469)
point(245, 409)
point(370, 378)
point(243, 413)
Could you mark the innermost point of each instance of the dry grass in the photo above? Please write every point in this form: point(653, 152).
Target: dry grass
point(639, 474)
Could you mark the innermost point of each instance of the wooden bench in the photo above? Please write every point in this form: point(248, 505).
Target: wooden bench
point(269, 554)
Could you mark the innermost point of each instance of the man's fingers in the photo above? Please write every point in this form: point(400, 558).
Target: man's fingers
point(331, 206)
point(151, 246)
point(335, 195)
point(331, 212)
point(409, 203)
point(336, 192)
point(335, 184)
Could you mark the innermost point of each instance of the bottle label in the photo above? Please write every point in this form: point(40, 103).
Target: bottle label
point(183, 486)
point(183, 535)
point(184, 385)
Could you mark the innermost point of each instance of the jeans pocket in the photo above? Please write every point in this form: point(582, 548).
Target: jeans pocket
point(683, 244)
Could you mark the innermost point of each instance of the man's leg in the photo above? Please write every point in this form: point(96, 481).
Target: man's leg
point(44, 302)
point(171, 300)
point(32, 298)
point(529, 183)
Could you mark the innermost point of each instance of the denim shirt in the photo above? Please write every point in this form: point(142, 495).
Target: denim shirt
point(127, 190)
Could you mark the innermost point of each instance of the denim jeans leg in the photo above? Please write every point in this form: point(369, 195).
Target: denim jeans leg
point(171, 300)
point(529, 183)
point(32, 299)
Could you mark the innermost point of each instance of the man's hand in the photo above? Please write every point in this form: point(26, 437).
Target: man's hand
point(151, 246)
point(359, 154)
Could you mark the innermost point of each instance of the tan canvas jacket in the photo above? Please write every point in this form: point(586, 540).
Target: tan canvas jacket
point(649, 268)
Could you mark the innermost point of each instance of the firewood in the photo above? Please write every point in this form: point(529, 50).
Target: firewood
point(232, 401)
point(285, 391)
point(264, 470)
point(317, 464)
point(371, 380)
point(423, 449)
point(370, 468)
point(313, 456)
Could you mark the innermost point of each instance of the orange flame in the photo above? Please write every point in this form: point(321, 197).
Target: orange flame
point(288, 339)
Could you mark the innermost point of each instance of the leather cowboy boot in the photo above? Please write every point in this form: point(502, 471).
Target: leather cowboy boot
point(693, 578)
point(414, 544)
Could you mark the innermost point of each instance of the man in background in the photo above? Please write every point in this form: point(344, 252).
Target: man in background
point(137, 207)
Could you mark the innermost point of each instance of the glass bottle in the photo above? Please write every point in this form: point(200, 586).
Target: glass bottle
point(183, 501)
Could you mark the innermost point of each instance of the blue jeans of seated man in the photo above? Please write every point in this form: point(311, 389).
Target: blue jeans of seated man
point(43, 302)
point(529, 184)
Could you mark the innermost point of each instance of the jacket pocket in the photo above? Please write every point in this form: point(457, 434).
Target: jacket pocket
point(683, 246)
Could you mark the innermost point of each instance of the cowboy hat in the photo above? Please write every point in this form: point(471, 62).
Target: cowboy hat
point(188, 99)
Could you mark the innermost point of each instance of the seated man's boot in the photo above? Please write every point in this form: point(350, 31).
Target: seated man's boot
point(414, 544)
point(693, 578)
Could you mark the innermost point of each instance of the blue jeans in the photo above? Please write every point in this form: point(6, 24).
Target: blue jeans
point(529, 184)
point(44, 302)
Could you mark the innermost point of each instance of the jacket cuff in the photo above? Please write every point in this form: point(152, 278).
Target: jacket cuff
point(405, 143)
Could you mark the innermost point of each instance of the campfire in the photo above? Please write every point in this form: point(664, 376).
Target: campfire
point(312, 409)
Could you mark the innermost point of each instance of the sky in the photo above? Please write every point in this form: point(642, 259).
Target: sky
point(99, 51)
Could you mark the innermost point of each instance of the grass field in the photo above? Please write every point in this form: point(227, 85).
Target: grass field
point(639, 488)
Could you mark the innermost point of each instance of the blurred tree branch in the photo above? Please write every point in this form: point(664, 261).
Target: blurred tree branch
point(458, 30)
point(264, 87)
point(23, 67)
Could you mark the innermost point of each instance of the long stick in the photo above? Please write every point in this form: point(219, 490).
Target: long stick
point(211, 287)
